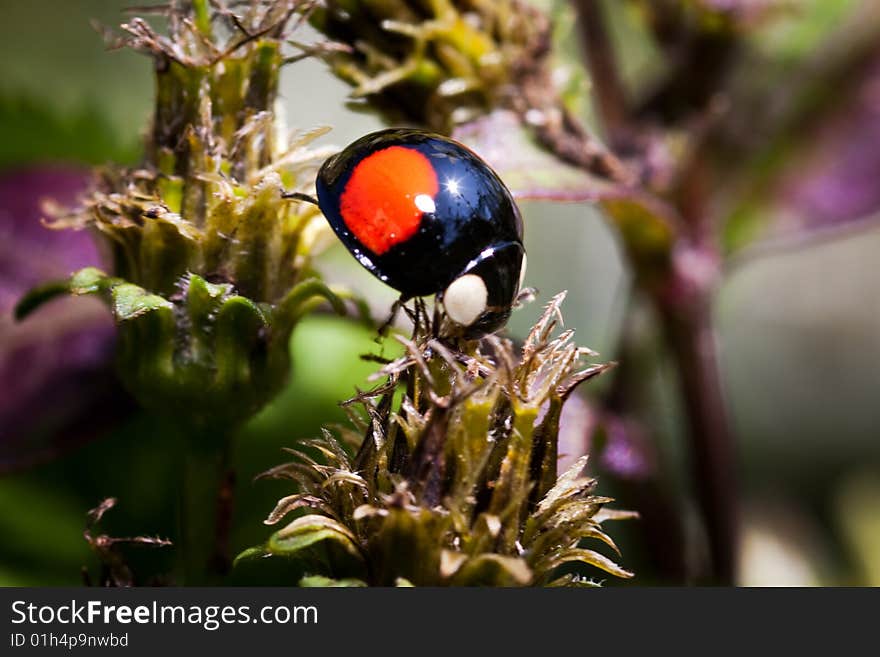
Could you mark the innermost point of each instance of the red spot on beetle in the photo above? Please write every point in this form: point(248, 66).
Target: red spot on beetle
point(379, 201)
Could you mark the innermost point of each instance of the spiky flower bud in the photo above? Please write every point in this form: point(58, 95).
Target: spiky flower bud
point(445, 63)
point(456, 483)
point(210, 263)
point(436, 62)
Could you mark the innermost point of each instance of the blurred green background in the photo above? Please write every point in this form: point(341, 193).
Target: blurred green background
point(799, 335)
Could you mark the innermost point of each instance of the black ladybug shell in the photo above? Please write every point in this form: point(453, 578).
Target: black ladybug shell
point(418, 210)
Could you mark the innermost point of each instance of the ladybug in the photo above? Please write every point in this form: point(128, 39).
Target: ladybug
point(424, 214)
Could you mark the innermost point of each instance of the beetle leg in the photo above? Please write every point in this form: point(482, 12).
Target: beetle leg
point(395, 310)
point(299, 196)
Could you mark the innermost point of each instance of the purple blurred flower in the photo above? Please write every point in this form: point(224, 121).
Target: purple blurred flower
point(746, 11)
point(837, 182)
point(576, 425)
point(31, 254)
point(627, 453)
point(57, 387)
point(624, 450)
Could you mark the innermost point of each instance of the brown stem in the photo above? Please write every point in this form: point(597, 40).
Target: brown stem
point(683, 303)
point(205, 509)
point(562, 135)
point(685, 309)
point(692, 343)
point(221, 560)
point(667, 21)
point(660, 522)
point(538, 102)
point(699, 69)
point(602, 63)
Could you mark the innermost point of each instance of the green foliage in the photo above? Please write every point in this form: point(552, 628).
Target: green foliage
point(32, 132)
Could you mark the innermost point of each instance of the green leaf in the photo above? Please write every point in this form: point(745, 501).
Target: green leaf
point(315, 581)
point(574, 580)
point(312, 289)
point(290, 536)
point(573, 510)
point(168, 247)
point(581, 555)
point(511, 490)
point(147, 340)
point(38, 296)
point(203, 300)
point(568, 483)
point(319, 541)
point(132, 301)
point(250, 554)
point(493, 570)
point(568, 535)
point(303, 298)
point(239, 325)
point(406, 546)
point(603, 515)
point(89, 280)
point(647, 228)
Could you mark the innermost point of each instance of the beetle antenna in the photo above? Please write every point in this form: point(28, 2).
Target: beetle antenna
point(299, 196)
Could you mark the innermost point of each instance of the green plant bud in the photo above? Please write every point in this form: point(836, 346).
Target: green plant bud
point(211, 264)
point(454, 481)
point(205, 354)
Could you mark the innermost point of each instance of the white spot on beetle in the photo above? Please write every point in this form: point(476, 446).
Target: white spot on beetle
point(425, 203)
point(465, 299)
point(522, 271)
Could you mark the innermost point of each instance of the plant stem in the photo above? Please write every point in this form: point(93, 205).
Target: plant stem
point(682, 301)
point(205, 509)
point(660, 520)
point(686, 315)
point(692, 345)
point(560, 132)
point(699, 60)
point(610, 92)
